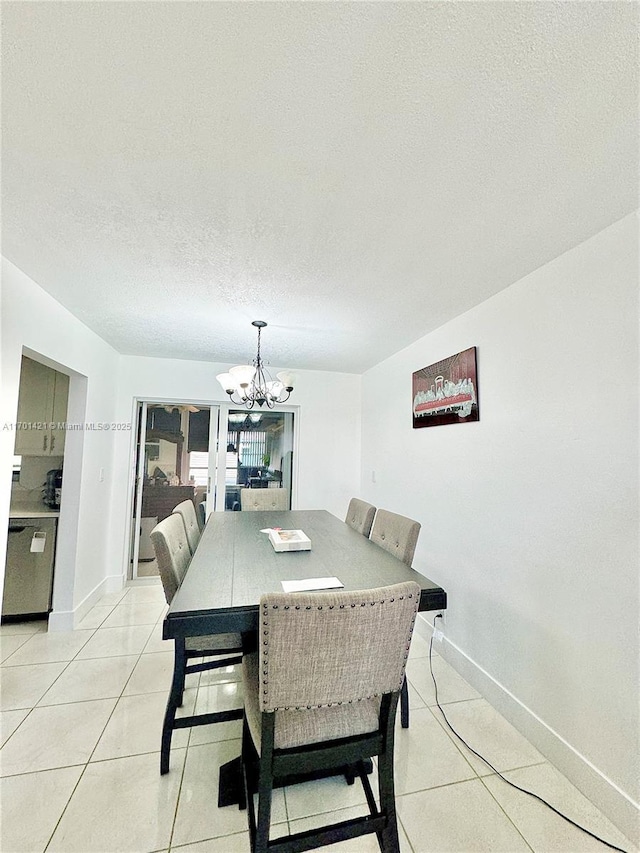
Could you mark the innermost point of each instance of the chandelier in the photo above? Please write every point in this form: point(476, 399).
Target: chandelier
point(248, 384)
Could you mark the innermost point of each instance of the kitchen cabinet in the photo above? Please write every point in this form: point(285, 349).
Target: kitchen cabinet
point(42, 405)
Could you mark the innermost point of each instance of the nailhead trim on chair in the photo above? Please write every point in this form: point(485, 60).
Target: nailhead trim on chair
point(265, 651)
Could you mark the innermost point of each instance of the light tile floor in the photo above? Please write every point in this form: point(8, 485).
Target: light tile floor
point(80, 720)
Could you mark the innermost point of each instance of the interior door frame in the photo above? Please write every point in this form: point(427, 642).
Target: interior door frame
point(138, 466)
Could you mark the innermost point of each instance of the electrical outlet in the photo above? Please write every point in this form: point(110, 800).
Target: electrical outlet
point(438, 625)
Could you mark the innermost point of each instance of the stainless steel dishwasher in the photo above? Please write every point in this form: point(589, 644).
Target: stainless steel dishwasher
point(28, 578)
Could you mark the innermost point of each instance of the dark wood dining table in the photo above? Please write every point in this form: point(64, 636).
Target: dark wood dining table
point(235, 563)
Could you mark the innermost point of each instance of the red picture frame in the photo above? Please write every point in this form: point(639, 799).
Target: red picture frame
point(446, 392)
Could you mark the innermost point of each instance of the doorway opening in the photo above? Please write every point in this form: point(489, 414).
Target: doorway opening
point(206, 454)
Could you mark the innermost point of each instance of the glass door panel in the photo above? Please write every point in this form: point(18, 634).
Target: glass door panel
point(259, 453)
point(174, 461)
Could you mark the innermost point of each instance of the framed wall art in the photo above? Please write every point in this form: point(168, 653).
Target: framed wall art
point(446, 392)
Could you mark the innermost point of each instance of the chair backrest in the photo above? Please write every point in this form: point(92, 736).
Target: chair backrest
point(172, 553)
point(264, 499)
point(325, 648)
point(187, 511)
point(200, 504)
point(360, 516)
point(396, 534)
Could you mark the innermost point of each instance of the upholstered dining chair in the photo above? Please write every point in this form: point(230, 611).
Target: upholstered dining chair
point(264, 499)
point(398, 535)
point(360, 516)
point(320, 696)
point(173, 556)
point(187, 511)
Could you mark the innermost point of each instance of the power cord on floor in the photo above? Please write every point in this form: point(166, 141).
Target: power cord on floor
point(497, 772)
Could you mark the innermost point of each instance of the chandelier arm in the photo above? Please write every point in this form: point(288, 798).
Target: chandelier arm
point(239, 402)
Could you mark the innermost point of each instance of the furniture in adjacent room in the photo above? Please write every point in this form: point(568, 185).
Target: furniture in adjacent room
point(159, 501)
point(398, 535)
point(146, 552)
point(360, 516)
point(232, 498)
point(320, 695)
point(235, 564)
point(173, 556)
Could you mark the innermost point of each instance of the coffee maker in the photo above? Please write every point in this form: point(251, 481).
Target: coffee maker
point(53, 488)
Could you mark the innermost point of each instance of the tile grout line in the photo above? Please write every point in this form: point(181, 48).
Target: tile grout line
point(478, 776)
point(457, 743)
point(186, 749)
point(66, 806)
point(453, 740)
point(505, 812)
point(88, 761)
point(84, 766)
point(37, 706)
point(39, 699)
point(84, 769)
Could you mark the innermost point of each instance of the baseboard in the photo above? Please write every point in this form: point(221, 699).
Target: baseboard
point(66, 620)
point(602, 791)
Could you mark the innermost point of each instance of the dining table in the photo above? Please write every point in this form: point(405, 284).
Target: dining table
point(235, 564)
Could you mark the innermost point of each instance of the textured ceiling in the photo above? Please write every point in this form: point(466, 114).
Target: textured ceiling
point(356, 174)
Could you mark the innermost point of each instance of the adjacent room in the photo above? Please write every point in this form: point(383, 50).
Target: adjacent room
point(333, 303)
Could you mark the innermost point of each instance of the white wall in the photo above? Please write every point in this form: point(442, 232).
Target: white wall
point(33, 320)
point(530, 516)
point(327, 407)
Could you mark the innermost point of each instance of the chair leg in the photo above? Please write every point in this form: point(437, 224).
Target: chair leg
point(182, 669)
point(265, 784)
point(404, 704)
point(248, 759)
point(173, 702)
point(388, 838)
